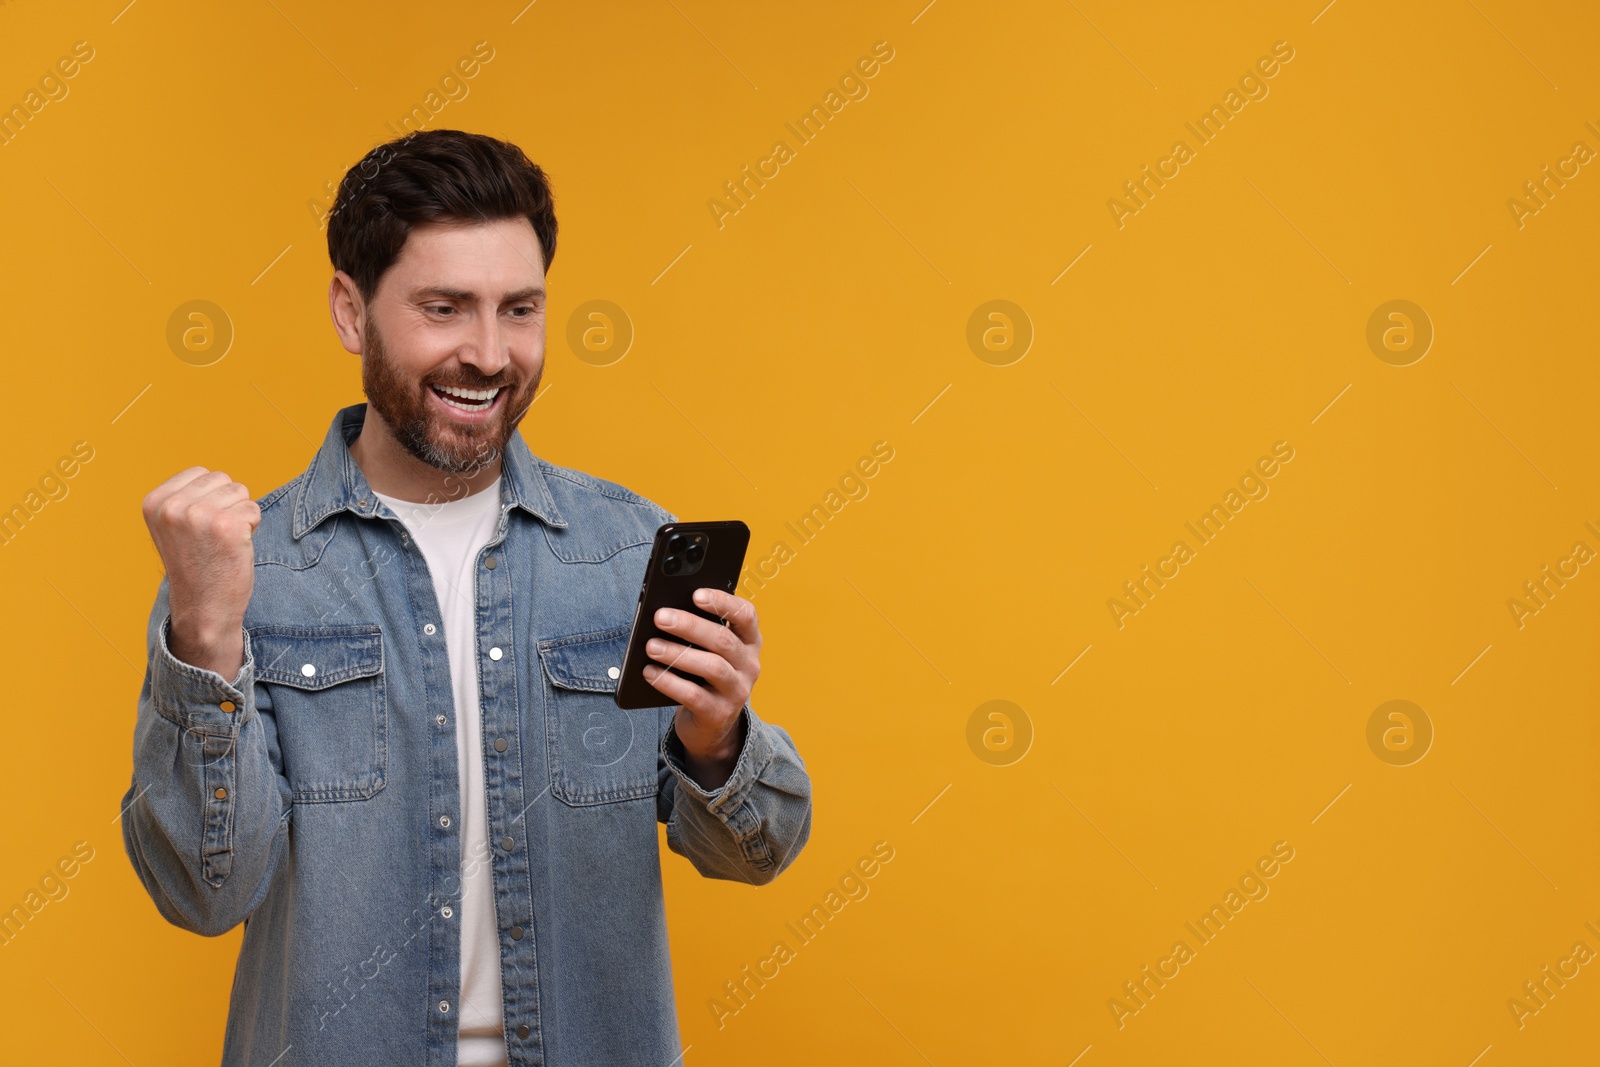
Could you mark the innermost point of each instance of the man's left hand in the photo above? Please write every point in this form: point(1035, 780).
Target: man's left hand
point(709, 720)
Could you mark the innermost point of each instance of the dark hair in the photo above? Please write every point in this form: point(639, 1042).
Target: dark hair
point(432, 176)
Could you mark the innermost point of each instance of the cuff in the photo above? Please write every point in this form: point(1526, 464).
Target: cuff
point(196, 698)
point(753, 756)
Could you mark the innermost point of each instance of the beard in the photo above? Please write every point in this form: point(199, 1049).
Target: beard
point(422, 429)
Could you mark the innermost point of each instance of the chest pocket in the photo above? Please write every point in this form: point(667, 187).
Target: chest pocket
point(599, 753)
point(326, 686)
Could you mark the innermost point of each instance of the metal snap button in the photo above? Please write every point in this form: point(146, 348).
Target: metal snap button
point(430, 629)
point(444, 820)
point(613, 672)
point(308, 670)
point(495, 653)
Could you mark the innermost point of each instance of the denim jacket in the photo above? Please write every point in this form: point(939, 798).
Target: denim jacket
point(314, 797)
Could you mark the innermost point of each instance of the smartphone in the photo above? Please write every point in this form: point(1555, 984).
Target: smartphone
point(686, 556)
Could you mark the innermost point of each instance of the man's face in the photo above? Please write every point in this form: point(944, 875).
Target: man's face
point(462, 307)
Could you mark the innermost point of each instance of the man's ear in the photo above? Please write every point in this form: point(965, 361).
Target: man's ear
point(347, 309)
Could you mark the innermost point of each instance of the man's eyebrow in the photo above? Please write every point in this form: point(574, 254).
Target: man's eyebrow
point(446, 293)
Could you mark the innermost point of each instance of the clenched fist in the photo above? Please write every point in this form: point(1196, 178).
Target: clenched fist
point(202, 522)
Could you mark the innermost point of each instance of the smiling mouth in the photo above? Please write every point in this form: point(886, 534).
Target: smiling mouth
point(467, 399)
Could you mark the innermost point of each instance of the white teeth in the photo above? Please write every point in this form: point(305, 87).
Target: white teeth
point(468, 394)
point(466, 399)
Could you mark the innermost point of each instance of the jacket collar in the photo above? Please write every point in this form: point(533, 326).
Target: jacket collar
point(334, 482)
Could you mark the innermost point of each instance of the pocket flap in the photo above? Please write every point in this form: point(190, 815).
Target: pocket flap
point(590, 662)
point(316, 658)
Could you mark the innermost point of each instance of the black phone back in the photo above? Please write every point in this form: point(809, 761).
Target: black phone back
point(686, 556)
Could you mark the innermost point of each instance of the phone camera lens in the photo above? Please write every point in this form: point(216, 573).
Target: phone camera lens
point(671, 565)
point(695, 553)
point(674, 544)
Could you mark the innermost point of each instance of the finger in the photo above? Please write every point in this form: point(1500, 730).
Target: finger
point(698, 631)
point(226, 494)
point(698, 699)
point(158, 496)
point(183, 477)
point(198, 489)
point(250, 511)
point(217, 484)
point(177, 503)
point(739, 613)
point(233, 502)
point(715, 669)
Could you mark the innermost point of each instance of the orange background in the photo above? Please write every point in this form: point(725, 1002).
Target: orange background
point(831, 312)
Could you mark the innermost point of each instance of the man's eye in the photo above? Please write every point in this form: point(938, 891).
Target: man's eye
point(442, 308)
point(523, 312)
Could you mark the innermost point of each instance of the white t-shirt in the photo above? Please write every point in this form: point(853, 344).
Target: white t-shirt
point(450, 535)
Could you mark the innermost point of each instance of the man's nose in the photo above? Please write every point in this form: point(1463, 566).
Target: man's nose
point(486, 348)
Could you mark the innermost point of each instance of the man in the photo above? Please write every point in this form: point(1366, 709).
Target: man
point(417, 791)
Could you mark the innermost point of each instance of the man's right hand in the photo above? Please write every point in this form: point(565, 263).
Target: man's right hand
point(201, 522)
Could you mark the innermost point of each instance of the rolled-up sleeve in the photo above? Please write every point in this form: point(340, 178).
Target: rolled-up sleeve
point(205, 817)
point(751, 827)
